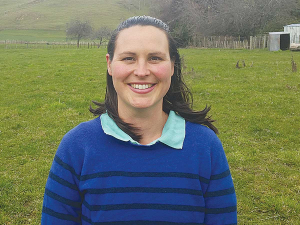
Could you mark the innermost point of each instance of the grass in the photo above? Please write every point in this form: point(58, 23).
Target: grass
point(33, 35)
point(54, 14)
point(46, 92)
point(257, 112)
point(39, 20)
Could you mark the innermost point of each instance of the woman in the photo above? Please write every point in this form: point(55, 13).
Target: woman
point(149, 159)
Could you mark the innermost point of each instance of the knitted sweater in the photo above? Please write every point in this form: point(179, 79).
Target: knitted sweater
point(98, 179)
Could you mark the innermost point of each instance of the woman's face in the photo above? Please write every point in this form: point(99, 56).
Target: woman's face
point(141, 68)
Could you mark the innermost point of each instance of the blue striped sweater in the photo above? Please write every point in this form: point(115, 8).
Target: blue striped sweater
point(98, 179)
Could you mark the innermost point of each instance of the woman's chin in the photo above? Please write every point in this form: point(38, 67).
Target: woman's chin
point(144, 105)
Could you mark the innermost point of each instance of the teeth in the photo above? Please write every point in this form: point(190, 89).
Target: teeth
point(141, 86)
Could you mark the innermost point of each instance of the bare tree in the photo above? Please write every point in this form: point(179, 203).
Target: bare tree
point(77, 30)
point(172, 12)
point(188, 18)
point(133, 5)
point(102, 33)
point(253, 17)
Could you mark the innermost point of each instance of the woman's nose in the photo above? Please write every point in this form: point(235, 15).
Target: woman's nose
point(142, 69)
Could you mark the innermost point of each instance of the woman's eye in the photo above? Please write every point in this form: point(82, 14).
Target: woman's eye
point(128, 59)
point(155, 58)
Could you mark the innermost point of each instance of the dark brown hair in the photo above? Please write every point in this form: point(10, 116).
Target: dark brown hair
point(178, 98)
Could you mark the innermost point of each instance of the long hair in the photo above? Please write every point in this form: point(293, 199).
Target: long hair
point(178, 98)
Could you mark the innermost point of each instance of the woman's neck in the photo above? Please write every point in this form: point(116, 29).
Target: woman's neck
point(149, 123)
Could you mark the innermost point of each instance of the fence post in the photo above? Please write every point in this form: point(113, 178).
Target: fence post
point(251, 42)
point(265, 41)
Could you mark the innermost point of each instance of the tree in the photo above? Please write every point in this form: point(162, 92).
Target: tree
point(133, 5)
point(102, 33)
point(248, 18)
point(188, 18)
point(77, 30)
point(185, 18)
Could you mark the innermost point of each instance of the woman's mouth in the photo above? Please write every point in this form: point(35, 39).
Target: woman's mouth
point(141, 86)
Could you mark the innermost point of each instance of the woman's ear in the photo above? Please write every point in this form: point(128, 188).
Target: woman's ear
point(108, 61)
point(173, 67)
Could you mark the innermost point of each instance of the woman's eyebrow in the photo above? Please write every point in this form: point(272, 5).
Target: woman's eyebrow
point(162, 54)
point(127, 53)
point(157, 53)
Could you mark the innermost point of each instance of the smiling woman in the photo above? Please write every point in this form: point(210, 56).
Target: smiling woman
point(148, 158)
point(141, 59)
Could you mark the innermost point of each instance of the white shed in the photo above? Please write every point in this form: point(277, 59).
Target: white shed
point(294, 30)
point(279, 41)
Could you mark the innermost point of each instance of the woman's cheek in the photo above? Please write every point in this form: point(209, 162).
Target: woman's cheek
point(163, 71)
point(120, 71)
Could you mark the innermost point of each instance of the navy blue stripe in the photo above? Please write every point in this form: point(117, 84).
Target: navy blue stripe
point(221, 175)
point(139, 174)
point(220, 193)
point(144, 206)
point(143, 174)
point(86, 219)
point(144, 190)
point(138, 222)
point(62, 199)
point(220, 210)
point(129, 174)
point(66, 166)
point(62, 181)
point(61, 215)
point(204, 180)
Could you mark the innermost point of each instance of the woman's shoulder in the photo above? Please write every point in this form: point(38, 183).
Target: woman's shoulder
point(80, 136)
point(197, 134)
point(84, 130)
point(199, 130)
point(87, 126)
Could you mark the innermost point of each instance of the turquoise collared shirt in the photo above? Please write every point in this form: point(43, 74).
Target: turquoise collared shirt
point(173, 133)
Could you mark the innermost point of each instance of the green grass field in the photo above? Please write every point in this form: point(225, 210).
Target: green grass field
point(33, 35)
point(46, 92)
point(54, 14)
point(39, 20)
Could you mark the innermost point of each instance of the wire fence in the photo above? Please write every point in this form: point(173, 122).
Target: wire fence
point(223, 42)
point(228, 42)
point(15, 44)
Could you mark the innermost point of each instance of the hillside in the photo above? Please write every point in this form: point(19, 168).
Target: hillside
point(54, 14)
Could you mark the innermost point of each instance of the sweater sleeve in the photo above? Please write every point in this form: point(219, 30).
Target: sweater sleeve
point(62, 198)
point(220, 197)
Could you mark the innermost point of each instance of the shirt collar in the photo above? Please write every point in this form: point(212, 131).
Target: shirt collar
point(173, 133)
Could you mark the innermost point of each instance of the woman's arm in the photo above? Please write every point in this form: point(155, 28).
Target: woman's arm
point(220, 197)
point(62, 198)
